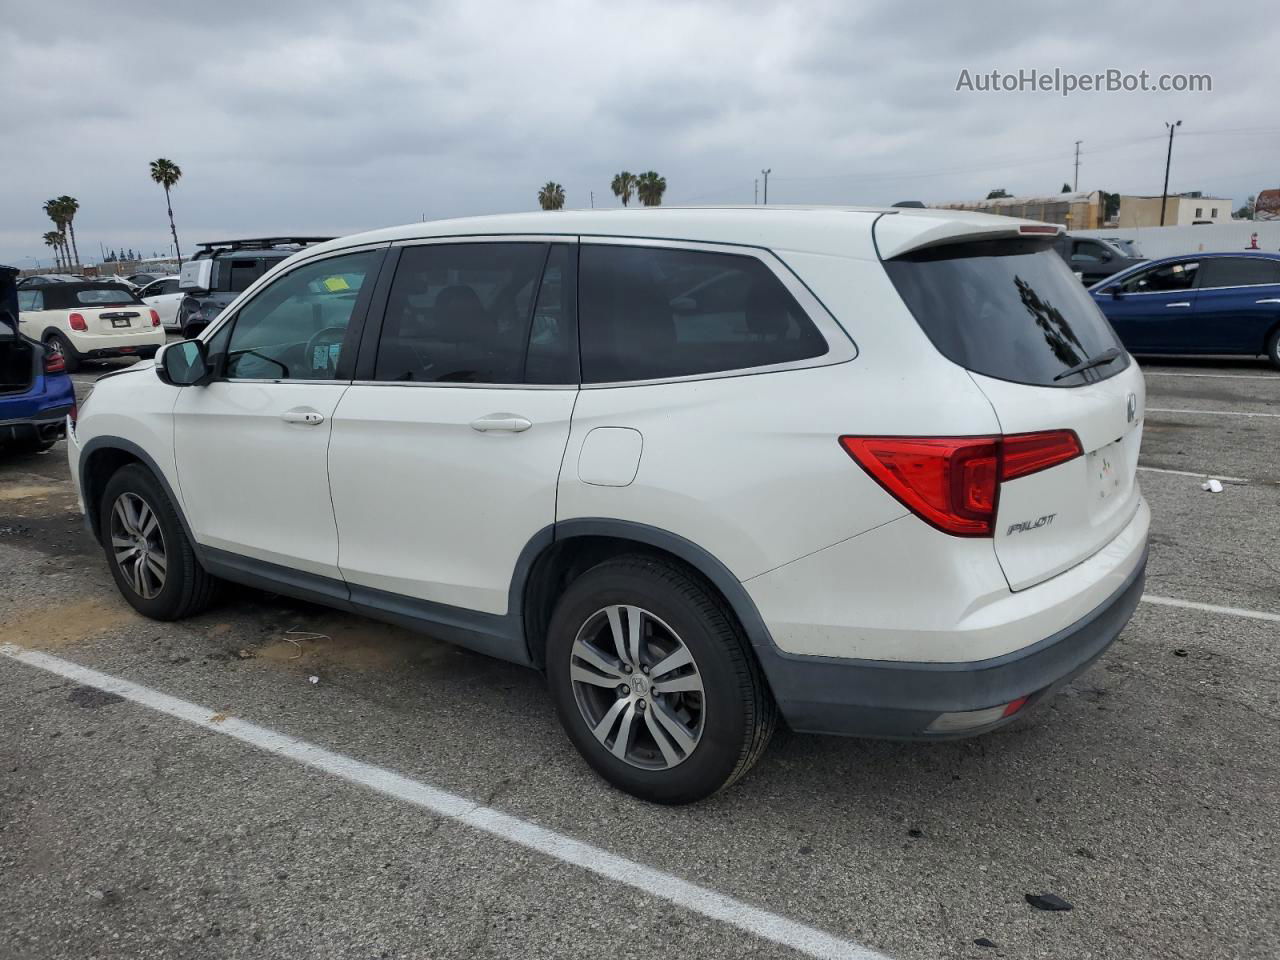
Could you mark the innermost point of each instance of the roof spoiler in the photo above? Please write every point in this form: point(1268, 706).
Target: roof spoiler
point(897, 235)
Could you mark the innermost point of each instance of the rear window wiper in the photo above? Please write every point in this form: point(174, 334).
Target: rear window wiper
point(1101, 360)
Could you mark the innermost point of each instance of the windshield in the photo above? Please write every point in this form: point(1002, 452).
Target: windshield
point(1010, 309)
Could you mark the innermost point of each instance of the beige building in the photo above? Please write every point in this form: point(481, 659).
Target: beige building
point(1075, 211)
point(1179, 211)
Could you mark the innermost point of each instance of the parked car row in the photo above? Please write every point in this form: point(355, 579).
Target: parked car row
point(36, 395)
point(89, 320)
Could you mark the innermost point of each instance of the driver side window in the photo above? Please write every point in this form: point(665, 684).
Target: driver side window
point(294, 329)
point(1170, 277)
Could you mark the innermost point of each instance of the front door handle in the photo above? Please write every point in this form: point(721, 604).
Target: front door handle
point(1269, 300)
point(304, 415)
point(504, 422)
point(1180, 303)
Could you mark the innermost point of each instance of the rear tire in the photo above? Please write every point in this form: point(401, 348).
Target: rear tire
point(151, 559)
point(673, 735)
point(57, 343)
point(1273, 348)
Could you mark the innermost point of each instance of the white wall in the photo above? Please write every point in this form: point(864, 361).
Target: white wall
point(1156, 242)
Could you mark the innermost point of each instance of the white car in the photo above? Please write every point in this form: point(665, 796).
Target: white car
point(163, 296)
point(869, 470)
point(89, 320)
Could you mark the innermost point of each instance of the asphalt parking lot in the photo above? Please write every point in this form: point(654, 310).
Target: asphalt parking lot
point(134, 825)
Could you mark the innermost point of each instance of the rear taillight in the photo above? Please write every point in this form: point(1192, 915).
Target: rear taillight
point(155, 319)
point(77, 322)
point(1024, 453)
point(953, 483)
point(54, 363)
point(74, 415)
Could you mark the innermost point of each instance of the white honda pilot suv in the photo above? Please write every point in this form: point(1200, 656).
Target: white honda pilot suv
point(871, 470)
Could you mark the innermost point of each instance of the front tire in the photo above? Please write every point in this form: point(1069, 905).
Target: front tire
point(1273, 348)
point(150, 557)
point(654, 682)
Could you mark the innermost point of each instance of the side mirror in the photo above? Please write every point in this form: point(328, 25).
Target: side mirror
point(184, 364)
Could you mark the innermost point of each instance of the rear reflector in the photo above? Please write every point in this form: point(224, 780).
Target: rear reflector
point(77, 322)
point(953, 483)
point(966, 720)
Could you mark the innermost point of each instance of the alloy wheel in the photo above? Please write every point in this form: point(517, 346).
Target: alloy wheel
point(137, 543)
point(637, 687)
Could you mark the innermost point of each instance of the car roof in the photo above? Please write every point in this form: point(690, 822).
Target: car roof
point(844, 231)
point(1216, 254)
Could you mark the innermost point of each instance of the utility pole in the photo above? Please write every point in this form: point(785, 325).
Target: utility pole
point(593, 199)
point(1164, 196)
point(766, 184)
point(1077, 186)
point(757, 188)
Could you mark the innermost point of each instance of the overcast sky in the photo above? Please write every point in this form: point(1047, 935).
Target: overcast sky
point(335, 117)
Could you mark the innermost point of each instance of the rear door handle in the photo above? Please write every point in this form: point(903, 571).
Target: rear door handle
point(505, 422)
point(1180, 303)
point(1269, 300)
point(304, 415)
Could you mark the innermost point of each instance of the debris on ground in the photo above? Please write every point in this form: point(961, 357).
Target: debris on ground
point(1047, 901)
point(313, 679)
point(1180, 652)
point(1212, 486)
point(244, 654)
point(984, 942)
point(915, 833)
point(295, 636)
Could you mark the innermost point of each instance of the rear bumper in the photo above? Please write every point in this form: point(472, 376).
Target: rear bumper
point(46, 424)
point(899, 700)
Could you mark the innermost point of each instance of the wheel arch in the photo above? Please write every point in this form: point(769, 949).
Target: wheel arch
point(99, 461)
point(573, 546)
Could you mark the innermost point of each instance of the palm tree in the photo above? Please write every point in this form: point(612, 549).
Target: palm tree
point(70, 207)
point(53, 238)
point(650, 187)
point(624, 185)
point(551, 196)
point(58, 215)
point(167, 173)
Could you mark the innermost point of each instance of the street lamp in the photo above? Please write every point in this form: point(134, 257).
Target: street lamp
point(1164, 196)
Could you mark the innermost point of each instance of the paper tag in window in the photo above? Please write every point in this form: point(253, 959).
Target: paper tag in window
point(334, 284)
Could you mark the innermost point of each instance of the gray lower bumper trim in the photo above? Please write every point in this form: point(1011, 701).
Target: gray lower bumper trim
point(883, 698)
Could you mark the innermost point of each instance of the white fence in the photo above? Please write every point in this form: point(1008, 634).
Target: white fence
point(1156, 242)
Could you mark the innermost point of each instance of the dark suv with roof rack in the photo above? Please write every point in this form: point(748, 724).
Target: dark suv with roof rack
point(223, 269)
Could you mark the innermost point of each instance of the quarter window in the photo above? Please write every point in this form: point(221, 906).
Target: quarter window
point(295, 328)
point(465, 313)
point(1238, 271)
point(29, 300)
point(1171, 277)
point(649, 313)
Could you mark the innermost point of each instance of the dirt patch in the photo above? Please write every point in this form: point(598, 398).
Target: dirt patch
point(49, 628)
point(351, 643)
point(29, 491)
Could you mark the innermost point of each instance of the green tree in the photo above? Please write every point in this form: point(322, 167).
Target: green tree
point(57, 214)
point(1066, 188)
point(551, 196)
point(650, 187)
point(997, 193)
point(167, 173)
point(624, 186)
point(53, 238)
point(70, 206)
point(1246, 212)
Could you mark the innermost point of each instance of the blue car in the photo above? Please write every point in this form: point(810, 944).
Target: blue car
point(36, 395)
point(1198, 303)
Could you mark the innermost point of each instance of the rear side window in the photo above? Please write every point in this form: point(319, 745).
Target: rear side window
point(1009, 309)
point(465, 313)
point(30, 300)
point(649, 313)
point(1238, 271)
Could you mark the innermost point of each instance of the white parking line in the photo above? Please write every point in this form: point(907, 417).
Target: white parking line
point(1211, 608)
point(1212, 376)
point(702, 900)
point(1213, 413)
point(1197, 474)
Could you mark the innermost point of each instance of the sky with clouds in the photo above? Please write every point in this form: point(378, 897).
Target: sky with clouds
point(334, 117)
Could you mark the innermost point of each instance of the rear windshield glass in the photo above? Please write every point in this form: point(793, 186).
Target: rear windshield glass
point(1010, 309)
point(105, 296)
